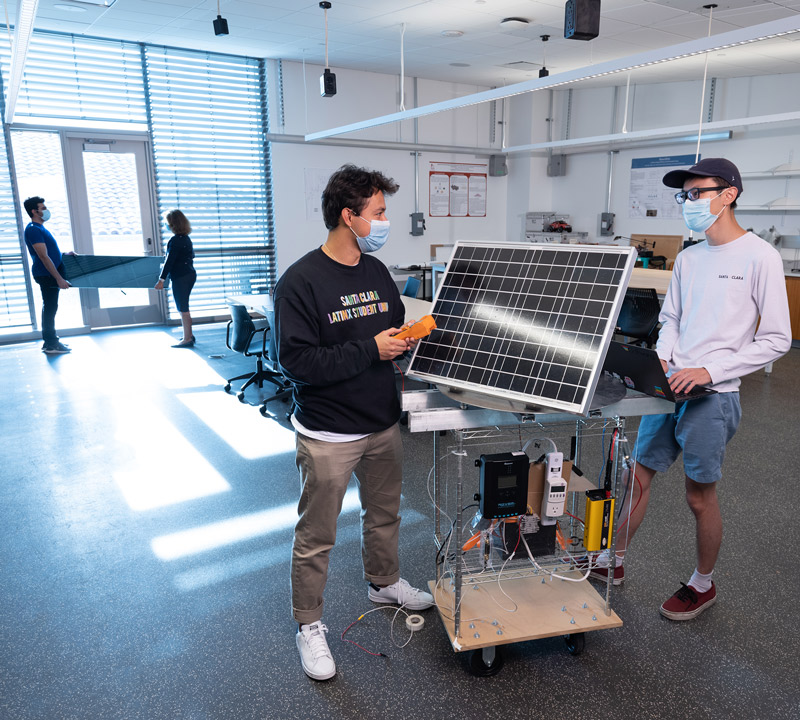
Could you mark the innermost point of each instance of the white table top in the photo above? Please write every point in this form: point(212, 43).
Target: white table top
point(260, 303)
point(415, 309)
point(646, 278)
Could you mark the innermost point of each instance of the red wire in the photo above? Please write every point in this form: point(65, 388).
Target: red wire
point(402, 377)
point(636, 478)
point(353, 642)
point(574, 517)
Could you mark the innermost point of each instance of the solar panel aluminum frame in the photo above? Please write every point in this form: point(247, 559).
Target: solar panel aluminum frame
point(455, 349)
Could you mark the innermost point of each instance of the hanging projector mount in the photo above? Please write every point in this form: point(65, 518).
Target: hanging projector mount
point(327, 81)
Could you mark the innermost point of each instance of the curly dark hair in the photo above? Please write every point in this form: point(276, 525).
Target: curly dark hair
point(31, 204)
point(352, 187)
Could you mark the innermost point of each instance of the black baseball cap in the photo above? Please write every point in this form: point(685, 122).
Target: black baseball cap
point(707, 167)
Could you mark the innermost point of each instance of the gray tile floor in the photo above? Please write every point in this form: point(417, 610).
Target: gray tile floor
point(147, 521)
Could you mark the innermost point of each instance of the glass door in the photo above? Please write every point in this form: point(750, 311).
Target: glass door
point(112, 214)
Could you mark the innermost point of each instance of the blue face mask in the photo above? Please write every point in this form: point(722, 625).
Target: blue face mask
point(376, 238)
point(698, 216)
point(45, 215)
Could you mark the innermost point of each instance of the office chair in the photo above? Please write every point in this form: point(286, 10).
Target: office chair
point(240, 333)
point(411, 288)
point(638, 316)
point(284, 387)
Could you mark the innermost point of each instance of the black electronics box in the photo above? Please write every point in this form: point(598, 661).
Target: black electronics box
point(582, 19)
point(327, 83)
point(503, 484)
point(541, 543)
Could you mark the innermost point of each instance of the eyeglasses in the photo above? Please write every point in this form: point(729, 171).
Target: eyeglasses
point(694, 194)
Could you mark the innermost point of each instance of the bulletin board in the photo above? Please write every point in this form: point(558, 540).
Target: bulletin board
point(649, 197)
point(457, 189)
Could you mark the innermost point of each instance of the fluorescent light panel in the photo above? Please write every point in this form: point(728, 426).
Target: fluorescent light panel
point(741, 36)
point(677, 131)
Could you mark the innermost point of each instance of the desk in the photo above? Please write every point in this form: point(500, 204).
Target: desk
point(658, 279)
point(422, 268)
point(258, 303)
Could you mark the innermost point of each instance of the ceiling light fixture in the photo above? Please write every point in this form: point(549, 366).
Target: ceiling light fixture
point(23, 29)
point(220, 24)
point(70, 8)
point(452, 33)
point(544, 72)
point(327, 81)
point(514, 22)
point(692, 48)
point(96, 3)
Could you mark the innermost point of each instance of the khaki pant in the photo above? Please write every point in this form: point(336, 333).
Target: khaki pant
point(325, 470)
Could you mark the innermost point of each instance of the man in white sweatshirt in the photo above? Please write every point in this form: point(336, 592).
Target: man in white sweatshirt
point(725, 315)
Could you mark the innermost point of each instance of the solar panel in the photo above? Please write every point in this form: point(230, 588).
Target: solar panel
point(525, 322)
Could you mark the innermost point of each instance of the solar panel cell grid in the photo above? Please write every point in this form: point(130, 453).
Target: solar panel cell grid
point(526, 322)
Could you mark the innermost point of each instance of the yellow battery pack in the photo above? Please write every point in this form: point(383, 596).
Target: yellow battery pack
point(599, 520)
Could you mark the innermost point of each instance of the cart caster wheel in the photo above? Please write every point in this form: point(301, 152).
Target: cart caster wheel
point(575, 643)
point(240, 397)
point(486, 662)
point(228, 388)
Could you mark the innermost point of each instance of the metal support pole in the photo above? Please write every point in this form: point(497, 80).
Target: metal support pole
point(457, 531)
point(621, 453)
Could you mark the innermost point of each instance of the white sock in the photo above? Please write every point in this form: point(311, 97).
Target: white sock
point(700, 582)
point(604, 557)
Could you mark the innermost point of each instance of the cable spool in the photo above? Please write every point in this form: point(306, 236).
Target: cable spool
point(414, 622)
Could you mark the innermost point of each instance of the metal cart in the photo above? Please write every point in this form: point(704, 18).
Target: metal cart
point(486, 596)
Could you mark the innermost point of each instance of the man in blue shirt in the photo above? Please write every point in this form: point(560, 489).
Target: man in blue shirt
point(47, 271)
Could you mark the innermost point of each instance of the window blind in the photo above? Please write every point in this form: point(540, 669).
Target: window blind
point(207, 120)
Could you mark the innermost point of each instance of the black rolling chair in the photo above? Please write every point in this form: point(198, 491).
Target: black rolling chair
point(283, 386)
point(638, 316)
point(239, 337)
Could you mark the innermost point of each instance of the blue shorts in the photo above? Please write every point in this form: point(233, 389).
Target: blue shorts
point(699, 428)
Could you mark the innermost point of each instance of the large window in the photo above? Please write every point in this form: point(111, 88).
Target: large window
point(208, 139)
point(205, 114)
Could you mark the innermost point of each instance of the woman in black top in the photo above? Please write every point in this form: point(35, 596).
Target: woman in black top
point(179, 267)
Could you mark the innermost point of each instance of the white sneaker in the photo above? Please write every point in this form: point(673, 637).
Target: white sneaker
point(401, 593)
point(314, 652)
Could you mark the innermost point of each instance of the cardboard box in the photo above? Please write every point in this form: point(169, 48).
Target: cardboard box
point(536, 473)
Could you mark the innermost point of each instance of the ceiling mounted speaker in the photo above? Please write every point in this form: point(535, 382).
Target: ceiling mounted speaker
point(582, 19)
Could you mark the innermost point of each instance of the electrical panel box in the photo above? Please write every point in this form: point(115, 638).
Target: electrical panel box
point(607, 223)
point(417, 224)
point(556, 165)
point(498, 166)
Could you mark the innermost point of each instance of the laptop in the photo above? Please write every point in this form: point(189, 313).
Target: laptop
point(640, 368)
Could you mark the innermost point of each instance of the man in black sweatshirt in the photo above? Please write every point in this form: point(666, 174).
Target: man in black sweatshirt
point(336, 310)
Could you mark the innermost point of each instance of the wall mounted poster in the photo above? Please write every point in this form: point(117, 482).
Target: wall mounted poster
point(649, 197)
point(458, 189)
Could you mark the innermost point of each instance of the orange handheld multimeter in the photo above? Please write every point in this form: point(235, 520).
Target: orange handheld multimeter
point(417, 330)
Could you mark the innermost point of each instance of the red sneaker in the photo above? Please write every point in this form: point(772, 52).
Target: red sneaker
point(688, 603)
point(601, 573)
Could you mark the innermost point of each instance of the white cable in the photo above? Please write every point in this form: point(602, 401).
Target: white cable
point(550, 572)
point(402, 70)
point(703, 91)
point(326, 38)
point(305, 88)
point(553, 445)
point(625, 117)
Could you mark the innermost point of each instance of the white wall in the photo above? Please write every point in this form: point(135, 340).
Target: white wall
point(583, 191)
point(363, 95)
